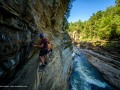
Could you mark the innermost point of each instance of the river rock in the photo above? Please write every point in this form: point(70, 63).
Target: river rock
point(109, 68)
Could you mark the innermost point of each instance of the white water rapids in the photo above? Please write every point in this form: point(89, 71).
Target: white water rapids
point(86, 77)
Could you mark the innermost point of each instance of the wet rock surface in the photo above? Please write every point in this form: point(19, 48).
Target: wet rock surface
point(109, 68)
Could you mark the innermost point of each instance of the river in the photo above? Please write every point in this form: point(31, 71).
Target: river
point(85, 76)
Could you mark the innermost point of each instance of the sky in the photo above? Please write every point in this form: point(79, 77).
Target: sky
point(83, 9)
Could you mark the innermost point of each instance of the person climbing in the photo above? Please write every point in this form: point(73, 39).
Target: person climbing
point(43, 49)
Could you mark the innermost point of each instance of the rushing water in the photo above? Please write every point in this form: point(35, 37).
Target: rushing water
point(85, 76)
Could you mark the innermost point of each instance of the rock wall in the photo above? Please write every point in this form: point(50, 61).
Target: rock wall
point(21, 21)
point(109, 68)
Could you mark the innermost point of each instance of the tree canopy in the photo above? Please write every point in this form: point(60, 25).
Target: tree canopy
point(103, 24)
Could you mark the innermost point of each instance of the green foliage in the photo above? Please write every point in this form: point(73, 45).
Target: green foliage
point(67, 14)
point(103, 24)
point(69, 6)
point(112, 46)
point(117, 2)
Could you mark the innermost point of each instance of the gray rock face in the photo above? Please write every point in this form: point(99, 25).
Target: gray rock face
point(20, 23)
point(16, 37)
point(109, 68)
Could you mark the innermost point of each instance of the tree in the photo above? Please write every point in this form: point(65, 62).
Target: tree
point(102, 24)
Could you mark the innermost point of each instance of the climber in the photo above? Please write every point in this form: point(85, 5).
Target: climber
point(43, 49)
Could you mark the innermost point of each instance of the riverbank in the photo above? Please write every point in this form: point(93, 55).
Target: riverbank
point(85, 76)
point(108, 67)
point(110, 49)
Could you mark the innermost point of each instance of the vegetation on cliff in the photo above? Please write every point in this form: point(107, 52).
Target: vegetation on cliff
point(67, 14)
point(103, 26)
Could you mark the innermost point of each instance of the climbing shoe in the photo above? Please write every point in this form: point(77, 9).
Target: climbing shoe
point(41, 68)
point(45, 63)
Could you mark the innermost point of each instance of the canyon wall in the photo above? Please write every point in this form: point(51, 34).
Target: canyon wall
point(21, 21)
point(109, 68)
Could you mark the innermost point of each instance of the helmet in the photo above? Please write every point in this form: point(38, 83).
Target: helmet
point(41, 35)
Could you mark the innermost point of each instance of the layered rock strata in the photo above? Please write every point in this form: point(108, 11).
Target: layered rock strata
point(21, 21)
point(109, 68)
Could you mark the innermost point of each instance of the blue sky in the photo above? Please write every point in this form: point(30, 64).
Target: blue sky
point(83, 9)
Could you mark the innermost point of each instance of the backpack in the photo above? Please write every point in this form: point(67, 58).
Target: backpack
point(50, 46)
